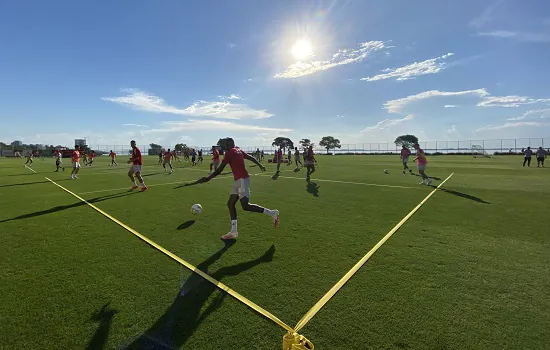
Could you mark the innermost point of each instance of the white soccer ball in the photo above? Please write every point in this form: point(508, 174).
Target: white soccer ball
point(196, 208)
point(386, 171)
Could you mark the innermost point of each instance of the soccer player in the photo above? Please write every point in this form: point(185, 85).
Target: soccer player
point(113, 158)
point(541, 154)
point(168, 160)
point(29, 158)
point(200, 156)
point(297, 158)
point(241, 187)
point(527, 158)
point(289, 156)
point(215, 159)
point(405, 153)
point(310, 162)
point(262, 154)
point(135, 169)
point(193, 156)
point(76, 162)
point(161, 153)
point(421, 163)
point(91, 158)
point(58, 157)
point(279, 158)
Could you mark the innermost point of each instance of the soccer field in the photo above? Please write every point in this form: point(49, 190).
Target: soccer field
point(469, 270)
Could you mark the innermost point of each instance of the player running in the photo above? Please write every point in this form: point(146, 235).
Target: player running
point(113, 158)
point(135, 169)
point(421, 163)
point(29, 158)
point(541, 154)
point(76, 162)
point(297, 158)
point(310, 162)
point(168, 160)
point(200, 156)
point(58, 165)
point(405, 153)
point(215, 159)
point(91, 158)
point(241, 187)
point(161, 154)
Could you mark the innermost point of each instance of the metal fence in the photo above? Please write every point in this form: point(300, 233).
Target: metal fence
point(445, 147)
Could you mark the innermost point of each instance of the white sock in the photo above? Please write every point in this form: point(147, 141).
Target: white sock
point(233, 225)
point(135, 183)
point(269, 212)
point(143, 184)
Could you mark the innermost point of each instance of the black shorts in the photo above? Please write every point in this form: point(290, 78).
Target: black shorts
point(193, 159)
point(540, 159)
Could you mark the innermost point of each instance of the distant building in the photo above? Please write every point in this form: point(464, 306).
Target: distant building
point(80, 142)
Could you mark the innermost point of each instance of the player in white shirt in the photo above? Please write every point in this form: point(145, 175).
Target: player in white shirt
point(541, 154)
point(527, 158)
point(58, 161)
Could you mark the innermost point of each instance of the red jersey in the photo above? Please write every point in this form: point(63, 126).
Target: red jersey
point(167, 156)
point(136, 156)
point(309, 155)
point(76, 156)
point(235, 158)
point(215, 155)
point(405, 152)
point(112, 154)
point(279, 154)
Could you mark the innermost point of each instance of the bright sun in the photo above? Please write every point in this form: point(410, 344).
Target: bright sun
point(302, 49)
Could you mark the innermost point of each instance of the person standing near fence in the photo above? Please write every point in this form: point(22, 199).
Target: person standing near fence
point(541, 154)
point(528, 153)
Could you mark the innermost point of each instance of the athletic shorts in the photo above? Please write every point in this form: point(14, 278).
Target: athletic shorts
point(166, 162)
point(405, 160)
point(76, 165)
point(135, 168)
point(540, 159)
point(57, 162)
point(309, 163)
point(421, 167)
point(241, 187)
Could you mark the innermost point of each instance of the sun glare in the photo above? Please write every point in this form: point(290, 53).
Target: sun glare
point(302, 49)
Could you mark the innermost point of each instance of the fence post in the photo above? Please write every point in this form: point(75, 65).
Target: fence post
point(436, 146)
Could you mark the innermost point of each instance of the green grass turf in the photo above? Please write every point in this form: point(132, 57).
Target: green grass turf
point(469, 270)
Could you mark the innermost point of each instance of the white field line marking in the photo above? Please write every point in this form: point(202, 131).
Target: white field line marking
point(28, 167)
point(342, 182)
point(305, 319)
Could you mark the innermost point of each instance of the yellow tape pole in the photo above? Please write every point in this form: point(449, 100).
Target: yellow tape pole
point(218, 284)
point(307, 317)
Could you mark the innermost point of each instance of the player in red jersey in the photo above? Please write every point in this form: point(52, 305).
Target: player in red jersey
point(113, 158)
point(241, 187)
point(215, 159)
point(405, 153)
point(135, 169)
point(168, 160)
point(91, 158)
point(279, 158)
point(76, 162)
point(310, 162)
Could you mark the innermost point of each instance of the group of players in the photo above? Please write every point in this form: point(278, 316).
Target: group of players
point(165, 158)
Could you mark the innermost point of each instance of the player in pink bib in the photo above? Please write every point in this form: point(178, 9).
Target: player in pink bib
point(421, 162)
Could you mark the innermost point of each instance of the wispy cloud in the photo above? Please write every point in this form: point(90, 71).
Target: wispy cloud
point(450, 106)
point(510, 101)
point(223, 109)
point(453, 132)
point(172, 126)
point(384, 124)
point(413, 70)
point(486, 16)
point(534, 37)
point(511, 125)
point(542, 113)
point(231, 45)
point(339, 116)
point(396, 106)
point(341, 57)
point(136, 125)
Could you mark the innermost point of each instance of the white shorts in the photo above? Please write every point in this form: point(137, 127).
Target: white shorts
point(241, 187)
point(76, 165)
point(135, 168)
point(405, 160)
point(421, 167)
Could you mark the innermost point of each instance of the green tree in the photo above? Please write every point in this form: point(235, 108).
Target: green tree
point(407, 140)
point(155, 146)
point(306, 143)
point(283, 141)
point(329, 143)
point(180, 147)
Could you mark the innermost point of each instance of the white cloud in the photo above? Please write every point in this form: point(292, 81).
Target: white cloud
point(509, 101)
point(453, 132)
point(413, 70)
point(341, 57)
point(486, 15)
point(384, 124)
point(136, 125)
point(396, 106)
point(511, 125)
point(224, 109)
point(339, 116)
point(543, 113)
point(534, 37)
point(172, 126)
point(450, 106)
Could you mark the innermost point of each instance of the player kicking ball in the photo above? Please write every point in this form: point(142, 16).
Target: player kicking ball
point(241, 187)
point(135, 169)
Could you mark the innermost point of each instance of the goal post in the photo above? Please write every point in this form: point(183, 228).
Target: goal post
point(478, 150)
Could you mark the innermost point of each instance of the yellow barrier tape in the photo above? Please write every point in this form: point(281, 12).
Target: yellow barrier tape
point(218, 284)
point(313, 311)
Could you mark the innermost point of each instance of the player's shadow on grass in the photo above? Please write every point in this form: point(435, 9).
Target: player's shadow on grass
point(69, 206)
point(151, 174)
point(105, 318)
point(313, 188)
point(188, 310)
point(186, 224)
point(24, 183)
point(431, 177)
point(187, 184)
point(463, 195)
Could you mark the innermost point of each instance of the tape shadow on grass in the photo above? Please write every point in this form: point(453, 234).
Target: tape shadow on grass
point(69, 206)
point(187, 312)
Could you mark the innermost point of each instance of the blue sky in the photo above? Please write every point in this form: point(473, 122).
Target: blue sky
point(194, 71)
